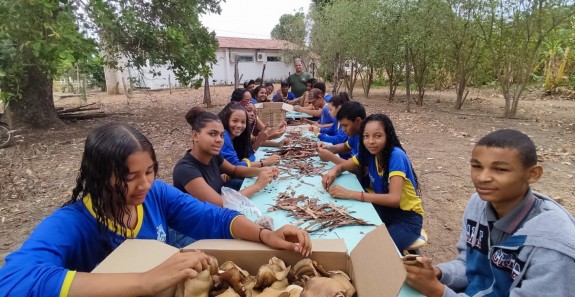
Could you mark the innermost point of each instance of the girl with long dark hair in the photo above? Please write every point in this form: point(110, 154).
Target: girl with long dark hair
point(237, 138)
point(117, 197)
point(394, 186)
point(199, 172)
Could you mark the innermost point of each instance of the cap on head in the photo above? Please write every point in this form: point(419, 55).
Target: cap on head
point(315, 94)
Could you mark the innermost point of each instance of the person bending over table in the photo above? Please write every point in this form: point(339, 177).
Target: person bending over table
point(333, 134)
point(321, 110)
point(117, 197)
point(397, 202)
point(202, 172)
point(349, 116)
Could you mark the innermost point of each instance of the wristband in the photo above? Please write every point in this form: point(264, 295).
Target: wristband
point(362, 199)
point(262, 163)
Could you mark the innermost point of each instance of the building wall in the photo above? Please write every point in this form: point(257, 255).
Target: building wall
point(223, 70)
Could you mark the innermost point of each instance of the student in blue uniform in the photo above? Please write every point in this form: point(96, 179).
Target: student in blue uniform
point(260, 95)
point(237, 145)
point(333, 134)
point(321, 109)
point(514, 241)
point(116, 197)
point(283, 94)
point(395, 193)
point(349, 116)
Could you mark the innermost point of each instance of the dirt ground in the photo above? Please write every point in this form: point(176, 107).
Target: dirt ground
point(38, 173)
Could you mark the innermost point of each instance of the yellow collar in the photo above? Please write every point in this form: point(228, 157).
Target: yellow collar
point(131, 233)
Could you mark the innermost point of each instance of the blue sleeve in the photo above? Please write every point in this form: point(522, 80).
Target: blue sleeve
point(229, 153)
point(192, 217)
point(331, 130)
point(398, 162)
point(290, 96)
point(339, 137)
point(277, 98)
point(327, 97)
point(254, 100)
point(325, 116)
point(44, 266)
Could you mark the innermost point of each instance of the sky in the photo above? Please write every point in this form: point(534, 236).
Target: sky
point(251, 18)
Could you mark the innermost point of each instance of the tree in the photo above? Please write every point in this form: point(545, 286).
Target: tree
point(291, 27)
point(37, 38)
point(513, 32)
point(37, 35)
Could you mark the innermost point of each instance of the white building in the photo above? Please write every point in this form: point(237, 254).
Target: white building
point(252, 55)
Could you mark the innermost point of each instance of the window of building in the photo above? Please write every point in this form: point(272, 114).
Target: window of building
point(245, 58)
point(274, 59)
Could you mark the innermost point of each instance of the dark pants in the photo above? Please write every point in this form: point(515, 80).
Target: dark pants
point(235, 183)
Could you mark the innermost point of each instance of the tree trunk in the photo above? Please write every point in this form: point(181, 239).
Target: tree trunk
point(407, 80)
point(207, 96)
point(460, 89)
point(392, 86)
point(112, 82)
point(335, 73)
point(36, 107)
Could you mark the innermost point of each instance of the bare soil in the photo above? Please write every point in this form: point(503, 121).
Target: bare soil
point(38, 172)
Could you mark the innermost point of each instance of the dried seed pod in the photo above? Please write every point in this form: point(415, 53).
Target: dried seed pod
point(234, 277)
point(228, 293)
point(294, 290)
point(198, 286)
point(304, 267)
point(229, 265)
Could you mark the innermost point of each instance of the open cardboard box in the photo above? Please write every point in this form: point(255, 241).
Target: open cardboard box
point(272, 113)
point(374, 264)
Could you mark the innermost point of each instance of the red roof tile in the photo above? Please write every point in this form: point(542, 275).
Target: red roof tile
point(252, 43)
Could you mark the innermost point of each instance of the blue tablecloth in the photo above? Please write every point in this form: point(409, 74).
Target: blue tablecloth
point(297, 115)
point(311, 187)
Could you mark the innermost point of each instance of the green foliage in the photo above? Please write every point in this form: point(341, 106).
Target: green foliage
point(55, 35)
point(156, 33)
point(291, 27)
point(37, 33)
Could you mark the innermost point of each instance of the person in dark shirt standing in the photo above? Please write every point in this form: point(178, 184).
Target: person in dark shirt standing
point(298, 80)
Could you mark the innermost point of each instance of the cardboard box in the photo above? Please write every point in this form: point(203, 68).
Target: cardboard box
point(374, 264)
point(272, 113)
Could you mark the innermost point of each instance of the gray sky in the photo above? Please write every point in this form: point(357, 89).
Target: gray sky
point(251, 18)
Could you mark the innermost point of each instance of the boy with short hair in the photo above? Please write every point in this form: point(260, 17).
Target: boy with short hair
point(283, 94)
point(349, 116)
point(514, 241)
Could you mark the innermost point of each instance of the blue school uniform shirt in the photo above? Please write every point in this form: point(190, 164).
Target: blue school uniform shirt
point(70, 240)
point(327, 97)
point(279, 98)
point(399, 165)
point(332, 134)
point(325, 116)
point(229, 153)
point(353, 144)
point(254, 101)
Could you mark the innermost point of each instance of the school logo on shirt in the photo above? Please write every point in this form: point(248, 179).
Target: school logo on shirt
point(161, 233)
point(477, 236)
point(507, 261)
